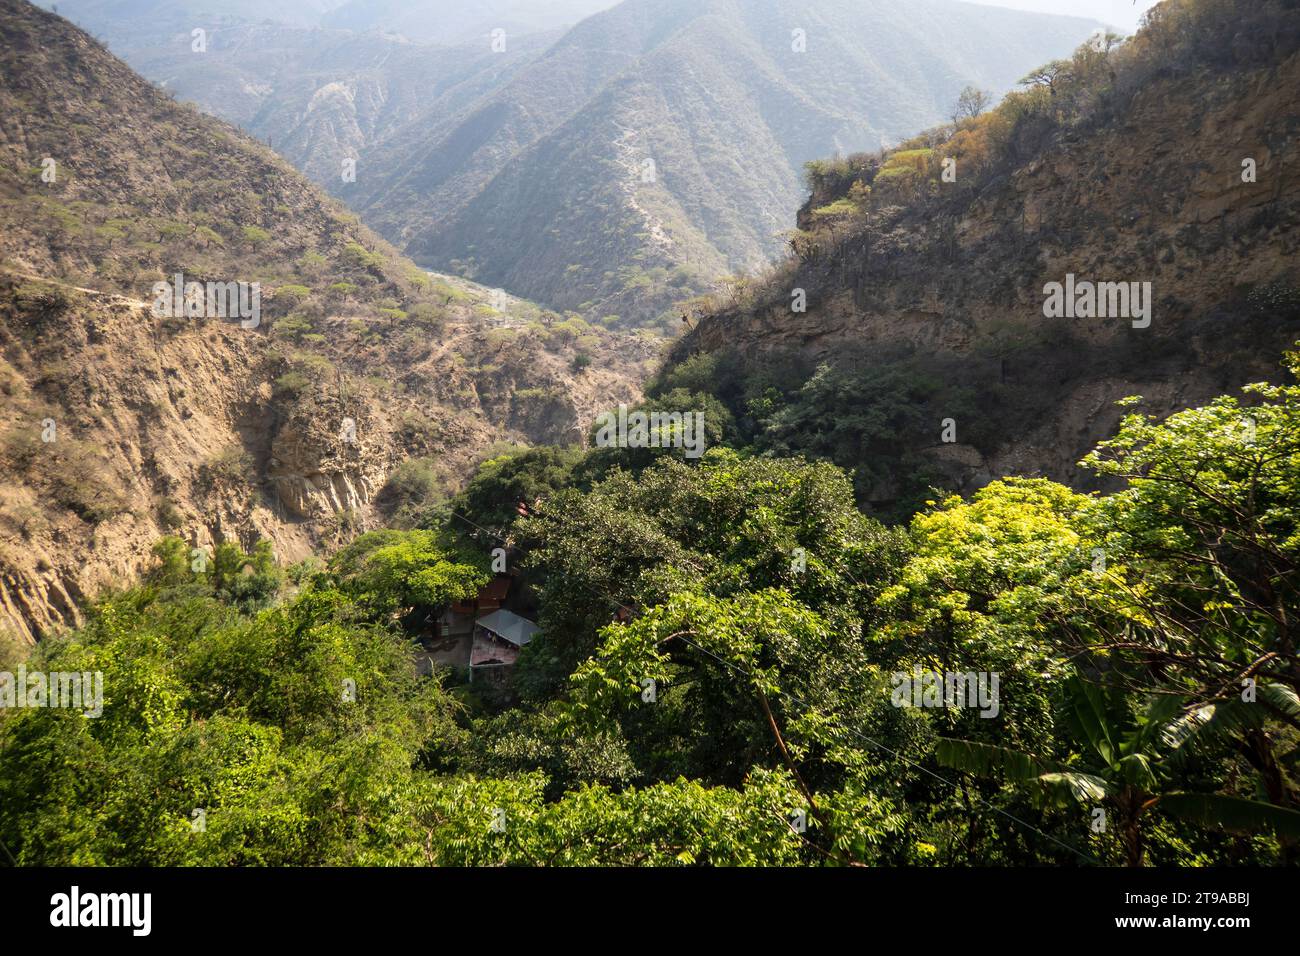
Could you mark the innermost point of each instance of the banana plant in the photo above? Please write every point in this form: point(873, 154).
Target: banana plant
point(1128, 761)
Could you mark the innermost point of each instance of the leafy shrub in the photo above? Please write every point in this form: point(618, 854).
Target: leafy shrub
point(293, 294)
point(411, 493)
point(291, 384)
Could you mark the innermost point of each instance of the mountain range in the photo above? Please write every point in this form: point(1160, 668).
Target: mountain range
point(614, 168)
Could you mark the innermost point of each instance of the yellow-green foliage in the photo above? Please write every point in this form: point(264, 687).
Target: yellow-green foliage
point(427, 314)
point(357, 255)
point(907, 164)
point(446, 292)
point(312, 262)
point(499, 337)
point(293, 294)
point(841, 207)
point(292, 325)
point(572, 327)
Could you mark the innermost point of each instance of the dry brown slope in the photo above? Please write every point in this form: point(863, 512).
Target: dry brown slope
point(196, 425)
point(1157, 195)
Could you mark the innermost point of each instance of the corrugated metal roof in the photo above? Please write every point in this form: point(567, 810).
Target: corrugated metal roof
point(509, 626)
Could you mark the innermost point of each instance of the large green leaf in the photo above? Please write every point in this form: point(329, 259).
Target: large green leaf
point(1200, 731)
point(987, 760)
point(1163, 721)
point(1080, 787)
point(1182, 728)
point(1091, 716)
point(1232, 813)
point(1282, 698)
point(1137, 771)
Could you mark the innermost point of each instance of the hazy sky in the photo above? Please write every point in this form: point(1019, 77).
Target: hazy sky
point(1118, 13)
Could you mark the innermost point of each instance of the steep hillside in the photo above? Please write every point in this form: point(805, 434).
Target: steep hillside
point(119, 18)
point(545, 186)
point(1168, 160)
point(437, 22)
point(318, 96)
point(528, 165)
point(363, 384)
point(455, 22)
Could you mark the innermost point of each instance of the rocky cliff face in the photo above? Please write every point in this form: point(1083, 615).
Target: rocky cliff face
point(119, 428)
point(1188, 183)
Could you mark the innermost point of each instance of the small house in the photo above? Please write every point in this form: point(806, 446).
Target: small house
point(457, 621)
point(498, 639)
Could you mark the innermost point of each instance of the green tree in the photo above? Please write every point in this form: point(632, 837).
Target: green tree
point(394, 571)
point(1204, 543)
point(724, 526)
point(1124, 768)
point(491, 499)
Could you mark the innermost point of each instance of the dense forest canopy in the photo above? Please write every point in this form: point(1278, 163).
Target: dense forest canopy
point(753, 705)
point(738, 663)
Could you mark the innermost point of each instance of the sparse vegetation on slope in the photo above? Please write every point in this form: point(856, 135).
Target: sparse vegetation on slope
point(285, 424)
point(923, 270)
